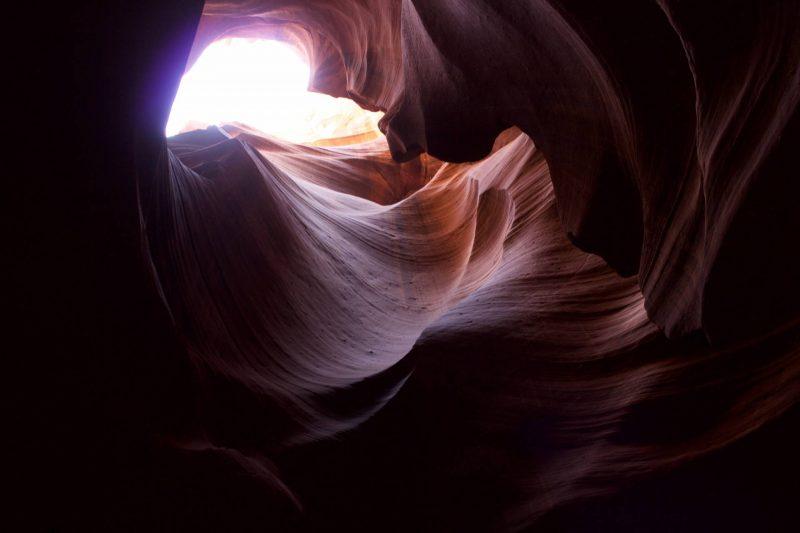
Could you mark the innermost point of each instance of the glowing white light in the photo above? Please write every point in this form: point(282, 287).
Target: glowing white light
point(262, 84)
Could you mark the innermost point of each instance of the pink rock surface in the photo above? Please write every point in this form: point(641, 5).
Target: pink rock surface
point(570, 270)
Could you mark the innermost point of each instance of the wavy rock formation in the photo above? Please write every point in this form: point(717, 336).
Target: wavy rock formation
point(294, 272)
point(571, 262)
point(653, 154)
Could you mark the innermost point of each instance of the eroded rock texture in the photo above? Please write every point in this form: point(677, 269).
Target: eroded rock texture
point(571, 262)
point(296, 273)
point(662, 137)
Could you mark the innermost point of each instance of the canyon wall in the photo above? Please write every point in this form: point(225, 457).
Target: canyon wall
point(571, 264)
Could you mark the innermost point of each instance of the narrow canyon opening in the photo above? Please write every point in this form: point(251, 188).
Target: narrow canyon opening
point(263, 85)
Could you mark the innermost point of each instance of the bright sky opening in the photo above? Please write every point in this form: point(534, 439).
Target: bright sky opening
point(262, 84)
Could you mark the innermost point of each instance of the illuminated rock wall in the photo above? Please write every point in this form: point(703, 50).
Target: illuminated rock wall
point(571, 265)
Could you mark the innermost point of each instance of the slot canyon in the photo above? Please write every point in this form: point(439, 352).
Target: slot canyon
point(538, 271)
